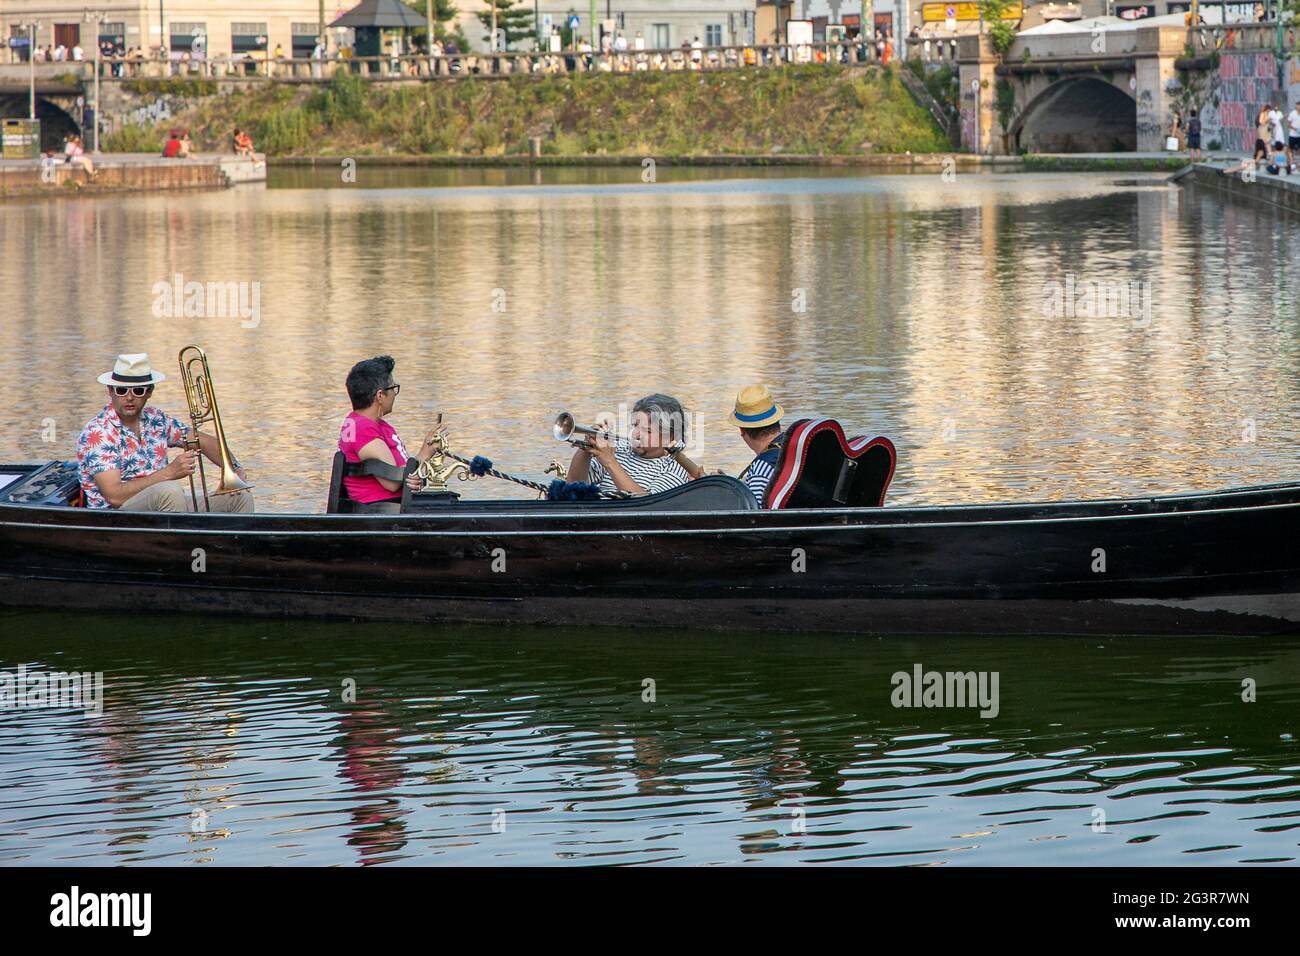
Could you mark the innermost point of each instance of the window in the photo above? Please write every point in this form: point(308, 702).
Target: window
point(19, 40)
point(713, 34)
point(247, 38)
point(304, 39)
point(112, 38)
point(191, 38)
point(659, 38)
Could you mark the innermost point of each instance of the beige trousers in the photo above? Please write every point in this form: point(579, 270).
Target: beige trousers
point(175, 496)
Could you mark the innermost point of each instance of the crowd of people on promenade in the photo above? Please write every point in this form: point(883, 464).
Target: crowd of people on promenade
point(617, 52)
point(1277, 141)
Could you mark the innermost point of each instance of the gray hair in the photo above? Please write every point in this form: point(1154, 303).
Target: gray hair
point(666, 414)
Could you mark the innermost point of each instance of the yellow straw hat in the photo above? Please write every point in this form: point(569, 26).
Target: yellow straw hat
point(755, 408)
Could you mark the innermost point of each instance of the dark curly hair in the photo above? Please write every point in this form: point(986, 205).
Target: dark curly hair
point(367, 378)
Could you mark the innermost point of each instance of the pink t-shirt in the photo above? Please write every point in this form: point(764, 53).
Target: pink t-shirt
point(358, 432)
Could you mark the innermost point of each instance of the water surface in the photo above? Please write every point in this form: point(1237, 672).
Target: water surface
point(224, 742)
point(923, 318)
point(506, 299)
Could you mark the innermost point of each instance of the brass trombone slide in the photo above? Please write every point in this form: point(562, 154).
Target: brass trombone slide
point(196, 376)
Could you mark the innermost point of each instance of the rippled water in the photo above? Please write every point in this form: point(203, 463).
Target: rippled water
point(230, 743)
point(924, 318)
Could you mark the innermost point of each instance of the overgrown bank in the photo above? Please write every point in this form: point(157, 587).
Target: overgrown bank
point(812, 110)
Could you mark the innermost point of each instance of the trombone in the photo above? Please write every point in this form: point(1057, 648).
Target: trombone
point(196, 376)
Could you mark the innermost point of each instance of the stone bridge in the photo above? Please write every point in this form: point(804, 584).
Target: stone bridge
point(57, 101)
point(65, 91)
point(1116, 90)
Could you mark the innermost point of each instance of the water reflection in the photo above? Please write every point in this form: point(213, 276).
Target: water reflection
point(924, 318)
point(238, 745)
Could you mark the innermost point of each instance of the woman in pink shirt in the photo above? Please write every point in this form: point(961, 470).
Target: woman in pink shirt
point(365, 435)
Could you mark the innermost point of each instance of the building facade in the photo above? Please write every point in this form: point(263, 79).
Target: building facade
point(201, 28)
point(213, 28)
point(663, 24)
point(879, 15)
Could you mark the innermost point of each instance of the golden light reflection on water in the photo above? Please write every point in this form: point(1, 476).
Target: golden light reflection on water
point(925, 320)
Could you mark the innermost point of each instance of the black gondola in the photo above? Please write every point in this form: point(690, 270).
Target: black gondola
point(702, 555)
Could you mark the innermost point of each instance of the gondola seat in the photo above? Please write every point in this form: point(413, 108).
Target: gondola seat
point(820, 468)
point(339, 503)
point(55, 483)
point(708, 494)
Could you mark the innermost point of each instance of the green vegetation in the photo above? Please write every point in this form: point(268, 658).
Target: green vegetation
point(942, 82)
point(1002, 32)
point(172, 86)
point(1005, 104)
point(134, 139)
point(812, 110)
point(1086, 164)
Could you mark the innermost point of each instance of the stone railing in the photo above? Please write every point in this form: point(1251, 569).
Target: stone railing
point(1141, 40)
point(481, 64)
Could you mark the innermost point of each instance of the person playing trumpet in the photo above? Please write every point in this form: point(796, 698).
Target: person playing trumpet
point(365, 435)
point(122, 451)
point(648, 462)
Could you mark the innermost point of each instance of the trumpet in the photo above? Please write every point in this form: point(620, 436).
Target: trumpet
point(566, 428)
point(196, 376)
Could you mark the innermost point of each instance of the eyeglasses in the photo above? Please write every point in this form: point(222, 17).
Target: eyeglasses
point(139, 391)
point(394, 388)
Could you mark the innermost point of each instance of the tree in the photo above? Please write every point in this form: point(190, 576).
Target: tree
point(1001, 30)
point(444, 11)
point(513, 22)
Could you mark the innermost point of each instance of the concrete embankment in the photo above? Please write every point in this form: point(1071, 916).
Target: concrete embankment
point(899, 162)
point(1280, 191)
point(125, 173)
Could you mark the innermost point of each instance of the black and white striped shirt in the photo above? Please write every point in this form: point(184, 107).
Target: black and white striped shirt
point(652, 474)
point(758, 476)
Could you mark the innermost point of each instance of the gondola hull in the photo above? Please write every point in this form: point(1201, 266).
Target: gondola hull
point(1219, 563)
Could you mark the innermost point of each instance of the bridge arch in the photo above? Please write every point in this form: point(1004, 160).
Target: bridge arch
point(56, 123)
point(1078, 114)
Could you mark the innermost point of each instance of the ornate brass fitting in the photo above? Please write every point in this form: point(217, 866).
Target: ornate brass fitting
point(435, 470)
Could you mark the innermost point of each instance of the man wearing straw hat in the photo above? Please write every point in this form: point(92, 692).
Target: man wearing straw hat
point(122, 451)
point(758, 417)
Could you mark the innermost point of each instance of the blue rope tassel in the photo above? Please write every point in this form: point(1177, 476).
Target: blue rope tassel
point(572, 491)
point(558, 490)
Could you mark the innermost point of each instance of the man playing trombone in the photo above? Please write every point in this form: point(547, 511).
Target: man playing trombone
point(122, 451)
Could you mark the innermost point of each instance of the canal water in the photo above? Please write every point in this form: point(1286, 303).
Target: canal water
point(952, 316)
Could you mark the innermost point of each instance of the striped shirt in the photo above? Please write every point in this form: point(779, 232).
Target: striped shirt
point(652, 474)
point(757, 477)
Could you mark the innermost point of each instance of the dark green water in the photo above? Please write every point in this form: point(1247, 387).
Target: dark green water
point(223, 742)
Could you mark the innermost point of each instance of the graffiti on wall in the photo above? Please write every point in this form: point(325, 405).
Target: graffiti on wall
point(969, 122)
point(1232, 99)
point(159, 111)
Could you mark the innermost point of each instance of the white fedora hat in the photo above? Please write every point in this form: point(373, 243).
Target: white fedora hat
point(132, 370)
